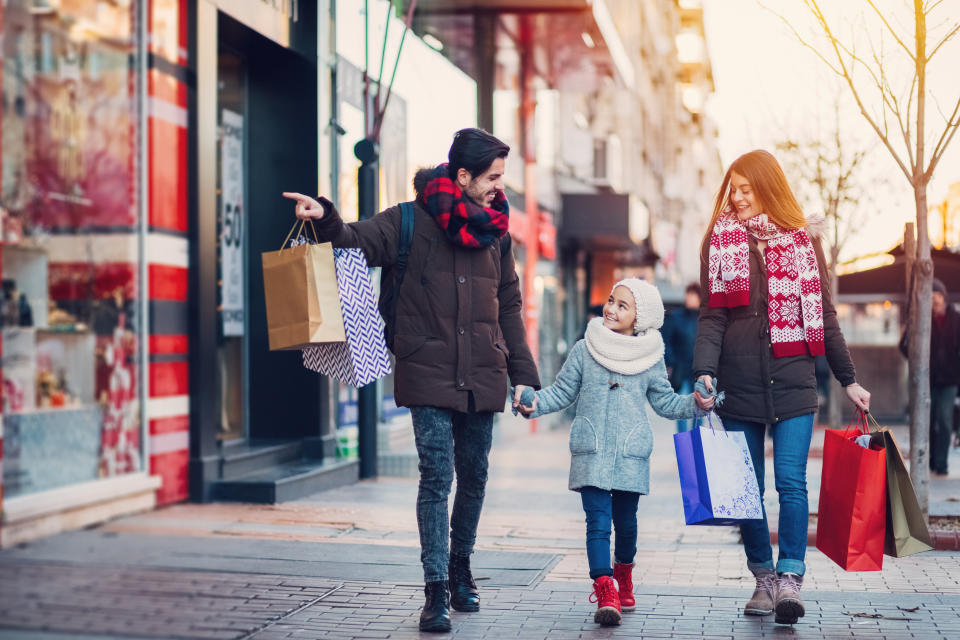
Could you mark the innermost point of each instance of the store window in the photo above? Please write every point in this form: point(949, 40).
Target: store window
point(70, 244)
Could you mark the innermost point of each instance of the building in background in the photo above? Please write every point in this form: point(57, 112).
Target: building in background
point(144, 149)
point(603, 102)
point(74, 437)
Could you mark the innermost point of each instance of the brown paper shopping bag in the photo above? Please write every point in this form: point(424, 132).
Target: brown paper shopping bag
point(907, 531)
point(303, 306)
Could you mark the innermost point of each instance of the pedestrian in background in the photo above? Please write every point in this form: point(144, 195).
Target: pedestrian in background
point(767, 313)
point(944, 374)
point(612, 374)
point(679, 338)
point(458, 335)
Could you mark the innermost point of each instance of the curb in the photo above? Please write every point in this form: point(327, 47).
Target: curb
point(943, 540)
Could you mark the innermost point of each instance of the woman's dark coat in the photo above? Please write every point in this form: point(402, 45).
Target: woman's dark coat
point(734, 345)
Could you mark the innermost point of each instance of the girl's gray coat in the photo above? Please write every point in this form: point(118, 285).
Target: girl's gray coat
point(611, 439)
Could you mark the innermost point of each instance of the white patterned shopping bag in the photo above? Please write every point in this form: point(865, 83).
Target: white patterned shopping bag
point(363, 357)
point(717, 478)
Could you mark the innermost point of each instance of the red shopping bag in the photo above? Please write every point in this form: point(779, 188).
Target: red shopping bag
point(851, 518)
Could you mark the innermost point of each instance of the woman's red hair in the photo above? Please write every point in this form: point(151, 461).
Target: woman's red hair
point(770, 188)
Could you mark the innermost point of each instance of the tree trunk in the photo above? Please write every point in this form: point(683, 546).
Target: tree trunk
point(910, 257)
point(834, 390)
point(920, 323)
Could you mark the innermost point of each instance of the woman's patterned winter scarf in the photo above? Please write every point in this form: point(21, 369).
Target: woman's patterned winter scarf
point(795, 305)
point(464, 222)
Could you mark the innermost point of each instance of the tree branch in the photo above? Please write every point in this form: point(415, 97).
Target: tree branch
point(910, 54)
point(818, 13)
point(952, 125)
point(931, 7)
point(804, 42)
point(889, 98)
point(952, 33)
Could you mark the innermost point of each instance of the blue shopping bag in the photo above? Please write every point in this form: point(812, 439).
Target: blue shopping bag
point(717, 478)
point(363, 357)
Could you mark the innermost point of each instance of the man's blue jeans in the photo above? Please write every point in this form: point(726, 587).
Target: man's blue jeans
point(602, 507)
point(449, 441)
point(791, 446)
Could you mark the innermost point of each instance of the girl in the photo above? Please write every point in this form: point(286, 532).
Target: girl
point(611, 374)
point(766, 313)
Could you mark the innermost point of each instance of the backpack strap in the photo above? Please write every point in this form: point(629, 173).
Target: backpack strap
point(389, 294)
point(406, 241)
point(506, 241)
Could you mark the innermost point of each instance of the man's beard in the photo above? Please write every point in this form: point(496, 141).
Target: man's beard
point(479, 196)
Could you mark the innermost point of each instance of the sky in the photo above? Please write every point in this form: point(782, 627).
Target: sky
point(769, 87)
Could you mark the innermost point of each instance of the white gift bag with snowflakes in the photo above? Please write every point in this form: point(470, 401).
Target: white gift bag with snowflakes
point(717, 478)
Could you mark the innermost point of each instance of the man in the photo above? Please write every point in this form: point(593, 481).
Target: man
point(679, 338)
point(458, 334)
point(944, 374)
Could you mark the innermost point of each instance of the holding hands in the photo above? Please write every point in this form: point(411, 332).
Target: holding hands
point(524, 400)
point(705, 403)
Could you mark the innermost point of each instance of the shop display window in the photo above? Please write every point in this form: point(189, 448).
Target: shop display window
point(69, 243)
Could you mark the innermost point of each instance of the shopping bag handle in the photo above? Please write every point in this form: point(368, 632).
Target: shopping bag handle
point(299, 230)
point(874, 421)
point(861, 422)
point(699, 413)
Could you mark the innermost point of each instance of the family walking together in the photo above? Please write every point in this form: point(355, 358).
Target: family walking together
point(459, 340)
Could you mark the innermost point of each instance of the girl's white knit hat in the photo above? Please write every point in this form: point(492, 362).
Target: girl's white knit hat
point(647, 301)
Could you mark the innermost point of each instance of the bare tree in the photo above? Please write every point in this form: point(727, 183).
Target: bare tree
point(897, 112)
point(829, 170)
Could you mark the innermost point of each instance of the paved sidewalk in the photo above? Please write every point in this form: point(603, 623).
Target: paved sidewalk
point(343, 564)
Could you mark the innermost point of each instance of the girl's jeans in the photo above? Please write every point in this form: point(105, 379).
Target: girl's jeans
point(602, 507)
point(449, 441)
point(791, 446)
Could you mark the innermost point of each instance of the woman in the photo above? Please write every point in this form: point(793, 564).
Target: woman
point(767, 311)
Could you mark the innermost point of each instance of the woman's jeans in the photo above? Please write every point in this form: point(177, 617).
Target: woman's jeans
point(602, 507)
point(449, 441)
point(791, 446)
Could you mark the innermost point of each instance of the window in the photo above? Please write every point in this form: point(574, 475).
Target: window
point(70, 245)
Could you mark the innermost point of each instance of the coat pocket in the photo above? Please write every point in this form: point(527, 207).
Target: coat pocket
point(583, 437)
point(406, 346)
point(639, 442)
point(501, 346)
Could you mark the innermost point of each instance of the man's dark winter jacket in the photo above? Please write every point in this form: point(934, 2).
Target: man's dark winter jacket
point(459, 328)
point(734, 345)
point(944, 349)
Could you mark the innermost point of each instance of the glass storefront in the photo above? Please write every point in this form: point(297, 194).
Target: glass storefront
point(70, 244)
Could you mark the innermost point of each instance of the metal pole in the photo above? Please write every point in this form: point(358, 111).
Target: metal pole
point(368, 192)
point(528, 105)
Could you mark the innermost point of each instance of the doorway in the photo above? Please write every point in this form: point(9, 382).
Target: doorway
point(232, 343)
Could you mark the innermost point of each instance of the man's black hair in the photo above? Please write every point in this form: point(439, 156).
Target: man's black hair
point(474, 150)
point(694, 287)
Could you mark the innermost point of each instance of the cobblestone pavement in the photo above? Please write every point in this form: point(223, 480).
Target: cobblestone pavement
point(690, 581)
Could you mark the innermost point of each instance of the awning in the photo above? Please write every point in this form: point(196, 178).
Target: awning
point(889, 282)
point(513, 6)
point(566, 34)
point(601, 220)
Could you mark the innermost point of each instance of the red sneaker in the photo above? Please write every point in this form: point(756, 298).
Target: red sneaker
point(623, 574)
point(608, 602)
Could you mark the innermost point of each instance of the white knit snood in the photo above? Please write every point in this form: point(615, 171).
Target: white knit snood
point(628, 355)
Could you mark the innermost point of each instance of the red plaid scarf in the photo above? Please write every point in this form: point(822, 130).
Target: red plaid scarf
point(463, 221)
point(795, 305)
